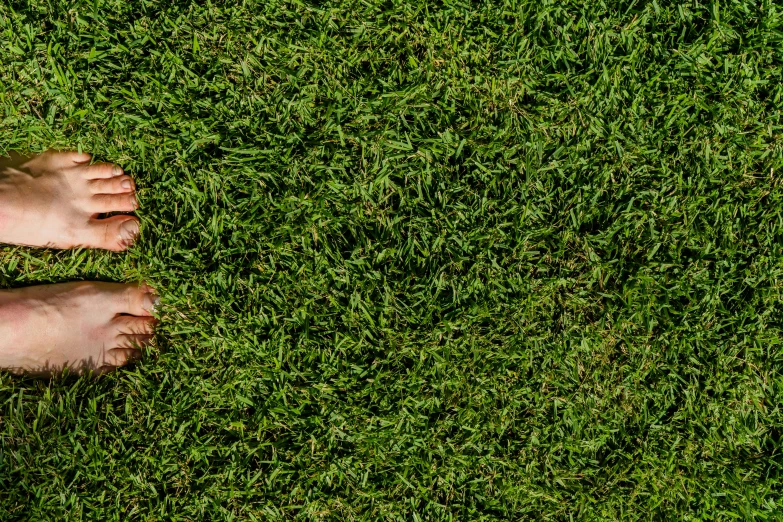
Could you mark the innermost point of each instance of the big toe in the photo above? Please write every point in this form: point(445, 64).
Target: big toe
point(139, 301)
point(116, 233)
point(65, 159)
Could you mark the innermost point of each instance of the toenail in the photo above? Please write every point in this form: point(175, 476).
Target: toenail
point(151, 302)
point(129, 230)
point(116, 171)
point(126, 184)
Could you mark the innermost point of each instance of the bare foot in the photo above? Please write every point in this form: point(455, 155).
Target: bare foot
point(54, 200)
point(79, 326)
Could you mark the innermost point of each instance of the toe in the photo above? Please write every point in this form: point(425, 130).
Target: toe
point(121, 356)
point(116, 185)
point(129, 325)
point(137, 300)
point(100, 171)
point(134, 342)
point(65, 159)
point(101, 203)
point(116, 233)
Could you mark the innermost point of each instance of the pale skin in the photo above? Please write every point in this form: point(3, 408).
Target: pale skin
point(58, 200)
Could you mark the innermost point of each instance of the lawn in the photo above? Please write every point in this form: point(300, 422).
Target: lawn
point(499, 260)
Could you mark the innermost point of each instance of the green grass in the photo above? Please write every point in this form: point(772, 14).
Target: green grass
point(498, 260)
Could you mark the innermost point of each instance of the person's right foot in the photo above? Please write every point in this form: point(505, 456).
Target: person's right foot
point(78, 326)
point(54, 200)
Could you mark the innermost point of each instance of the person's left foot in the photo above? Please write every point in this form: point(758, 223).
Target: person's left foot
point(55, 200)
